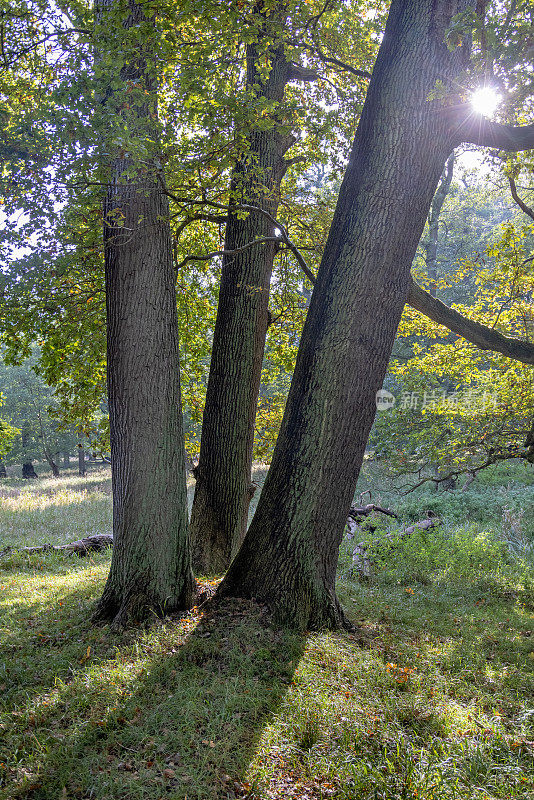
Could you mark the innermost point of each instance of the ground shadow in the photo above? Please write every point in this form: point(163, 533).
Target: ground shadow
point(178, 714)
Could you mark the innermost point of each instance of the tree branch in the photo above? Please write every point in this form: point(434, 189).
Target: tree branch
point(491, 459)
point(298, 73)
point(473, 128)
point(198, 218)
point(480, 335)
point(298, 255)
point(522, 205)
point(208, 256)
point(283, 238)
point(314, 48)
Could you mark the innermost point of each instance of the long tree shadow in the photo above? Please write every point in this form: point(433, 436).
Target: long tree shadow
point(175, 711)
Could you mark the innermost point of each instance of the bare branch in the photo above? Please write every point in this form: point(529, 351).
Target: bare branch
point(198, 218)
point(283, 238)
point(314, 48)
point(298, 255)
point(522, 205)
point(491, 459)
point(208, 256)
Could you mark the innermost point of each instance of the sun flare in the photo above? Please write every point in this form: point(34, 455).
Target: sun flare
point(485, 101)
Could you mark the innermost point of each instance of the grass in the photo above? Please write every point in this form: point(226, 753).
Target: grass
point(55, 510)
point(70, 507)
point(430, 699)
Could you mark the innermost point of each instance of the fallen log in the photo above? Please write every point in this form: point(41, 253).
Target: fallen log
point(424, 525)
point(362, 562)
point(359, 513)
point(81, 547)
point(356, 512)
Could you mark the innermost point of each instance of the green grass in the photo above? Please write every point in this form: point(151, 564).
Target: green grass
point(55, 510)
point(430, 699)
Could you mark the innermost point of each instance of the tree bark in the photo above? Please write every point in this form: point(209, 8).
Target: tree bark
point(529, 445)
point(66, 460)
point(3, 471)
point(50, 461)
point(151, 564)
point(289, 556)
point(224, 486)
point(53, 466)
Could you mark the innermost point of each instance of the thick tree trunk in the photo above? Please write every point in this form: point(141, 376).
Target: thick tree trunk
point(290, 553)
point(223, 477)
point(150, 567)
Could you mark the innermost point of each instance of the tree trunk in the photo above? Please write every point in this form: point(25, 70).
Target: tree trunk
point(223, 477)
point(28, 471)
point(3, 471)
point(431, 244)
point(529, 445)
point(53, 466)
point(290, 553)
point(66, 459)
point(151, 564)
point(49, 460)
point(81, 461)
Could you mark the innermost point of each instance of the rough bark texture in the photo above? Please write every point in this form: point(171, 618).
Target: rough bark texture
point(223, 476)
point(150, 568)
point(465, 126)
point(290, 553)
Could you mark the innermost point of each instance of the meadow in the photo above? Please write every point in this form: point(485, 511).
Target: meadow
point(430, 698)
